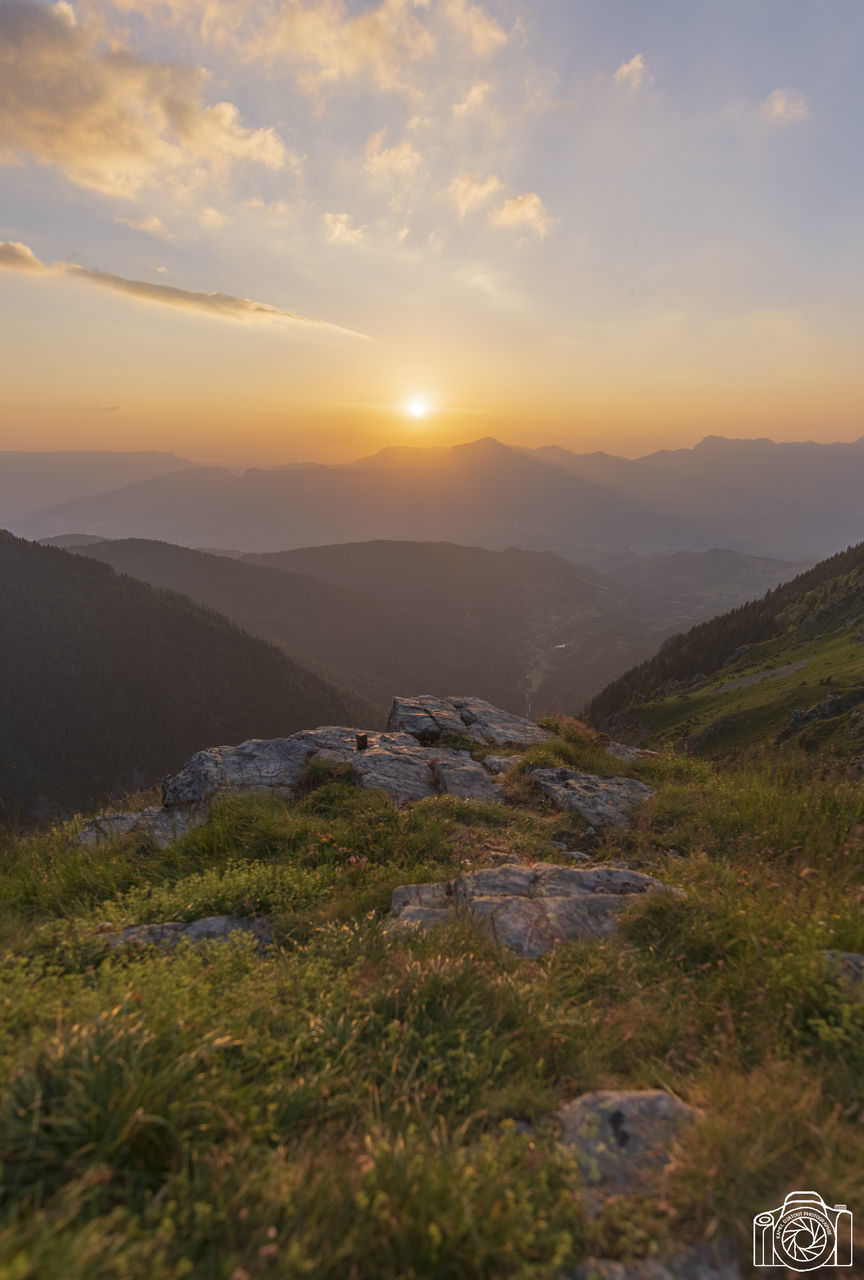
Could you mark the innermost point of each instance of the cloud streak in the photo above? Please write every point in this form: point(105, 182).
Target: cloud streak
point(16, 256)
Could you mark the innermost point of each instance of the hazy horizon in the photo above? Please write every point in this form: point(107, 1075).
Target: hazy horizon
point(241, 461)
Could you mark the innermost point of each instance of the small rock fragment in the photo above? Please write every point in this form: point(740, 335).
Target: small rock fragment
point(624, 1140)
point(209, 929)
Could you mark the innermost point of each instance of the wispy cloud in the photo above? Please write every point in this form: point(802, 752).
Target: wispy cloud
point(329, 41)
point(106, 118)
point(525, 212)
point(469, 192)
point(340, 229)
point(19, 257)
point(632, 73)
point(473, 22)
point(474, 98)
point(386, 163)
point(151, 224)
point(785, 104)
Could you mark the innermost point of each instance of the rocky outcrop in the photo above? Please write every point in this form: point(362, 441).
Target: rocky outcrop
point(208, 929)
point(602, 802)
point(405, 764)
point(623, 1141)
point(835, 704)
point(428, 719)
point(530, 909)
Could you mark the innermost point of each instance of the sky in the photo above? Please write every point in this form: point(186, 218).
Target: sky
point(261, 231)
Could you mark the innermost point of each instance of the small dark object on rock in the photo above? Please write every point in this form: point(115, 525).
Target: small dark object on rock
point(362, 741)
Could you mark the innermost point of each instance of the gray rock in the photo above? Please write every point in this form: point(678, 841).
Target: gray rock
point(394, 763)
point(500, 764)
point(629, 754)
point(154, 826)
point(848, 966)
point(701, 1262)
point(601, 802)
point(208, 929)
point(530, 909)
point(623, 1141)
point(427, 718)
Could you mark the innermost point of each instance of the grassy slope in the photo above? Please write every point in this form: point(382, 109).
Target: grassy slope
point(342, 1108)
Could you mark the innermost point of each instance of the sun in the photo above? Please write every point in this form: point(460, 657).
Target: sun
point(417, 408)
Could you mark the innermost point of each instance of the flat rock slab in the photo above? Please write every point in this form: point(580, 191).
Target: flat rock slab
point(427, 719)
point(602, 802)
point(702, 1262)
point(208, 929)
point(154, 826)
point(529, 908)
point(624, 1140)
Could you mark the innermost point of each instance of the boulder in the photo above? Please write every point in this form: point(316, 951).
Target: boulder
point(602, 802)
point(155, 826)
point(427, 719)
point(701, 1262)
point(623, 1141)
point(530, 909)
point(208, 929)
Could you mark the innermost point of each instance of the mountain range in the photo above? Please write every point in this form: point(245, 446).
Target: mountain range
point(524, 629)
point(793, 501)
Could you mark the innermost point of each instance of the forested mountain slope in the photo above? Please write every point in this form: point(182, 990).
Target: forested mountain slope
point(106, 684)
point(786, 668)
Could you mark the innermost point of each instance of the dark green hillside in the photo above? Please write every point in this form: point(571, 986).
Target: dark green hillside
point(369, 642)
point(106, 684)
point(789, 666)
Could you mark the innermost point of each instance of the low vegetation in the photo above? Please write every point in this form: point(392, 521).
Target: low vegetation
point(366, 1104)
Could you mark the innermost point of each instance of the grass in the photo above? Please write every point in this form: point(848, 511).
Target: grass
point(347, 1106)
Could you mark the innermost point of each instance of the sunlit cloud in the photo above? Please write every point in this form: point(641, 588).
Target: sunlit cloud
point(151, 224)
point(106, 118)
point(525, 212)
point(386, 163)
point(19, 257)
point(632, 73)
point(474, 98)
point(472, 21)
point(785, 104)
point(327, 41)
point(15, 256)
point(340, 229)
point(469, 192)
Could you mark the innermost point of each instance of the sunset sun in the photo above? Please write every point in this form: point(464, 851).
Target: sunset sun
point(417, 408)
